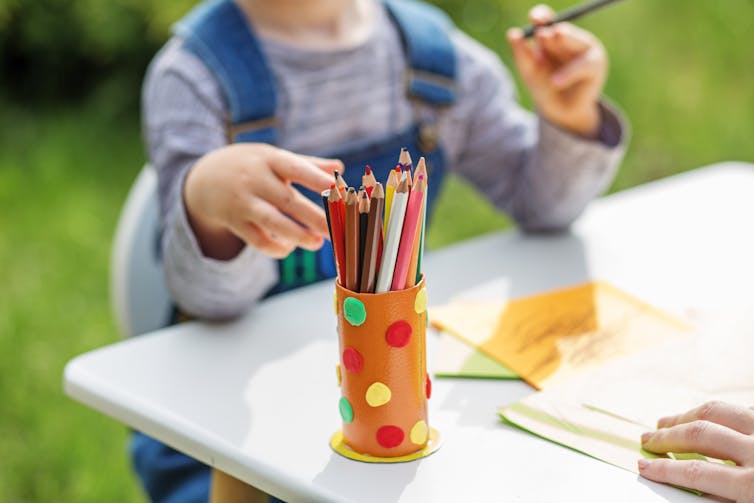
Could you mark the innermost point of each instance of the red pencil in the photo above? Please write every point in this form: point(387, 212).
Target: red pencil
point(337, 228)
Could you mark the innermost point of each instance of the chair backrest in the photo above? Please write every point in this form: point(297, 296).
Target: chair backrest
point(140, 300)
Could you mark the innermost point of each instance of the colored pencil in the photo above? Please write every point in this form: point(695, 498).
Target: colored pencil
point(341, 183)
point(404, 159)
point(368, 181)
point(390, 185)
point(335, 205)
point(352, 240)
point(363, 221)
point(408, 234)
point(393, 236)
point(421, 168)
point(373, 246)
point(325, 195)
point(570, 14)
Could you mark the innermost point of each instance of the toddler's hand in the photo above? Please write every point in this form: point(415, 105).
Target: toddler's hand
point(715, 429)
point(564, 70)
point(243, 193)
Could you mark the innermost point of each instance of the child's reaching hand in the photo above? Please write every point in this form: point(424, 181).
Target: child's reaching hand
point(564, 70)
point(243, 193)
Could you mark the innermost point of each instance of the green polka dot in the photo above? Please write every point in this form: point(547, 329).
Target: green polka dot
point(420, 303)
point(354, 311)
point(346, 412)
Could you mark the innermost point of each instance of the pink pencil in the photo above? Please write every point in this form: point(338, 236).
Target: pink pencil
point(410, 223)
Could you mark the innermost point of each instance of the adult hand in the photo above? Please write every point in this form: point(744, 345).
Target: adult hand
point(243, 193)
point(715, 429)
point(564, 69)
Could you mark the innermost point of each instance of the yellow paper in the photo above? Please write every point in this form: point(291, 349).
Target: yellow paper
point(549, 338)
point(603, 412)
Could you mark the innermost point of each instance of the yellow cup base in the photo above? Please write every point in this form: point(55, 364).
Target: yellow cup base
point(339, 445)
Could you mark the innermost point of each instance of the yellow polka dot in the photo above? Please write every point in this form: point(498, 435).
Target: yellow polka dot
point(419, 432)
point(420, 303)
point(335, 301)
point(378, 394)
point(337, 373)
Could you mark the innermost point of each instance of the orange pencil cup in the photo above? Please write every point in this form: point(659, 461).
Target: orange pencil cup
point(383, 375)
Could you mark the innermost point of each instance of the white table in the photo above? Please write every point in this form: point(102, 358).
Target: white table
point(258, 398)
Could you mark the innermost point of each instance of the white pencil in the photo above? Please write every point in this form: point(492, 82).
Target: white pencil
point(393, 236)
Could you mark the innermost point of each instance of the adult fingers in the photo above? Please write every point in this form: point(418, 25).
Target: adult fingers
point(703, 437)
point(583, 67)
point(295, 168)
point(712, 478)
point(279, 227)
point(541, 14)
point(735, 417)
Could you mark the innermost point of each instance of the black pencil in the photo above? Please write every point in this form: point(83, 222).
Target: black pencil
point(572, 13)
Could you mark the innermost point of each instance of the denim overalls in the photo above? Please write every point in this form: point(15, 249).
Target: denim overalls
point(217, 32)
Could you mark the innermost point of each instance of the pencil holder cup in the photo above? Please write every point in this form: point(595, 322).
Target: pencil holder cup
point(383, 375)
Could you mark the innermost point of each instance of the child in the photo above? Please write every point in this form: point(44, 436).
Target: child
point(238, 104)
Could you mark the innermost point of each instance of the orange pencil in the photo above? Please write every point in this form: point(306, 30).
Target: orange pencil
point(373, 246)
point(335, 205)
point(410, 224)
point(352, 240)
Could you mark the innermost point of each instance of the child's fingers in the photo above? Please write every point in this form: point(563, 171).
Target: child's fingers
point(706, 438)
point(274, 223)
point(259, 239)
point(581, 68)
point(329, 165)
point(711, 478)
point(289, 200)
point(541, 14)
point(571, 38)
point(296, 168)
point(735, 417)
point(525, 55)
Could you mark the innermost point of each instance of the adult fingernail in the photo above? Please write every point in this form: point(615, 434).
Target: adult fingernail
point(643, 464)
point(645, 437)
point(514, 33)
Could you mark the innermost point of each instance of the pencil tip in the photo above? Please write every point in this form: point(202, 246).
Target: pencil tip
point(368, 170)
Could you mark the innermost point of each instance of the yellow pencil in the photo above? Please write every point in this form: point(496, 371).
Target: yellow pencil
point(390, 185)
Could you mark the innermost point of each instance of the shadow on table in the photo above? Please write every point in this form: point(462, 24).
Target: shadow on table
point(366, 481)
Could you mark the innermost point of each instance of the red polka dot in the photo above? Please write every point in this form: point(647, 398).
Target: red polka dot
point(428, 387)
point(352, 360)
point(390, 436)
point(398, 334)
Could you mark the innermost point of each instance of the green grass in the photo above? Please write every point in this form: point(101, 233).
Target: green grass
point(681, 70)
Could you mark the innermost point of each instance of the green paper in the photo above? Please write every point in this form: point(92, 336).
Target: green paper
point(458, 359)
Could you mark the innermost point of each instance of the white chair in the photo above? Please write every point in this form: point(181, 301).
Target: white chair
point(140, 300)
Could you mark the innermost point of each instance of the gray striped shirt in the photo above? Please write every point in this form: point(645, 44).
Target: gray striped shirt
point(542, 176)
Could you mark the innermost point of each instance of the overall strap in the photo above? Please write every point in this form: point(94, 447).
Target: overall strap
point(217, 32)
point(431, 56)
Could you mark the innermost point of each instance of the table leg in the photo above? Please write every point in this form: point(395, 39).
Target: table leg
point(227, 489)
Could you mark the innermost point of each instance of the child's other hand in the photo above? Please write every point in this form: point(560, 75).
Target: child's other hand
point(564, 69)
point(243, 193)
point(715, 429)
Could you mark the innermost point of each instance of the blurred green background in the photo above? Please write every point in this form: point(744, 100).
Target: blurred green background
point(70, 74)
